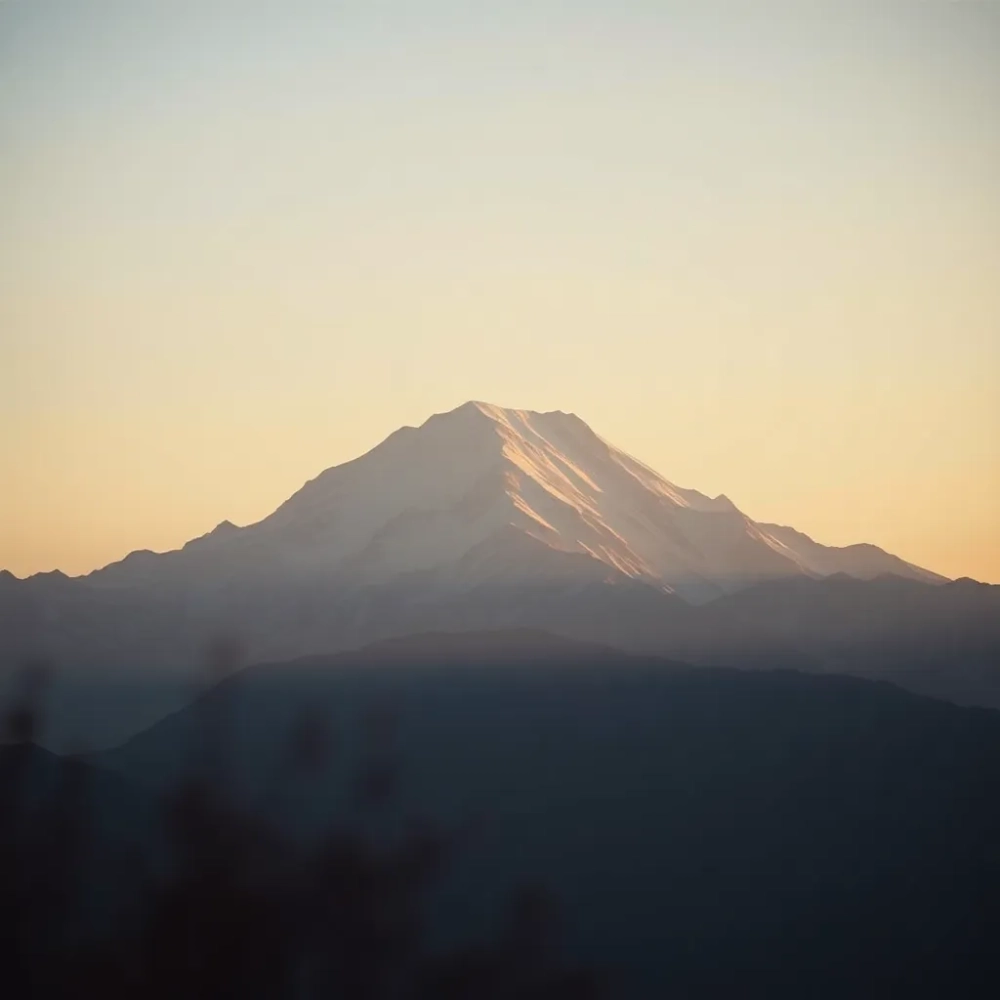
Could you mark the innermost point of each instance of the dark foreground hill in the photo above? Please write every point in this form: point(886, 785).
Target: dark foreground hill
point(700, 832)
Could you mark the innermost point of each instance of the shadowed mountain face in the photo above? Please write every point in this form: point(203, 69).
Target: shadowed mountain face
point(487, 518)
point(701, 831)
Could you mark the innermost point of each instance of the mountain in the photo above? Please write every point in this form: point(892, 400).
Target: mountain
point(699, 830)
point(473, 482)
point(486, 518)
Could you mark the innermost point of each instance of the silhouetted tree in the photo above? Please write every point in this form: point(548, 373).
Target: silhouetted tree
point(231, 905)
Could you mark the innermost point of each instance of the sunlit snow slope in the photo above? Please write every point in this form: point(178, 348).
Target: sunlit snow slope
point(482, 492)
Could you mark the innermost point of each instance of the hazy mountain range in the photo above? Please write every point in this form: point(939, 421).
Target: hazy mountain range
point(486, 517)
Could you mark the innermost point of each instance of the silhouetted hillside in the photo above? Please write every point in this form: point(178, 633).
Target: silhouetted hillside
point(703, 831)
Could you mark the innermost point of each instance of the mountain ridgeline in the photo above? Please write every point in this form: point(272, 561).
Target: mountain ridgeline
point(486, 518)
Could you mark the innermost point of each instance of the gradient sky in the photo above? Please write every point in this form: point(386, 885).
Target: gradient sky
point(755, 245)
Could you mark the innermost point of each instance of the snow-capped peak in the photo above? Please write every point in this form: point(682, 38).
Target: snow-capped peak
point(455, 492)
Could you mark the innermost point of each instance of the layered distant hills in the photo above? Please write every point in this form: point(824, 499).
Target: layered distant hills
point(486, 517)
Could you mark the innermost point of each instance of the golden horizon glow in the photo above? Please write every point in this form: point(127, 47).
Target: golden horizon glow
point(759, 252)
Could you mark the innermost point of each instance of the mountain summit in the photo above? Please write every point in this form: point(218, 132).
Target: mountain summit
point(482, 492)
point(486, 518)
